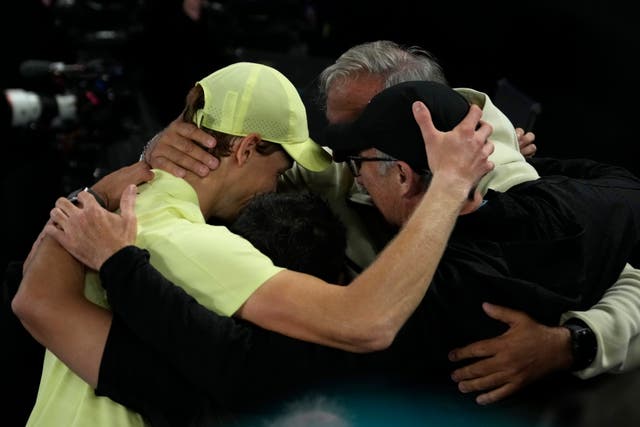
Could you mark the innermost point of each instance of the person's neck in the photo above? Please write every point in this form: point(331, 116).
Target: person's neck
point(209, 191)
point(407, 206)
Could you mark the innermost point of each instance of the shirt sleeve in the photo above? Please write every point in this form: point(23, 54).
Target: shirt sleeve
point(615, 320)
point(218, 268)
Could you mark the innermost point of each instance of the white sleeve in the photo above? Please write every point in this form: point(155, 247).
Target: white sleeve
point(615, 320)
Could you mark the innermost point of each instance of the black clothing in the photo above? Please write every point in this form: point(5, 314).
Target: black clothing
point(526, 248)
point(238, 364)
point(543, 247)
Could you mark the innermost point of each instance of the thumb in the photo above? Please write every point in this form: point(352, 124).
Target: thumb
point(501, 313)
point(128, 202)
point(422, 115)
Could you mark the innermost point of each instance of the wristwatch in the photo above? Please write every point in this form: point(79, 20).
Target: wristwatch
point(584, 345)
point(73, 196)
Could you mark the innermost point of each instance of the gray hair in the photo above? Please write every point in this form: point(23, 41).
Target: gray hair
point(393, 62)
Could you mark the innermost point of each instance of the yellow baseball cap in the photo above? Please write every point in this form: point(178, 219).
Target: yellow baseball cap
point(247, 97)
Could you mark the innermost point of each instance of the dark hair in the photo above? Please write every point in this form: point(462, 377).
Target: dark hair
point(297, 230)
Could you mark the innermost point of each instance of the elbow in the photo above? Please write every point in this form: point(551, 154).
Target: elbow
point(375, 337)
point(28, 308)
point(20, 306)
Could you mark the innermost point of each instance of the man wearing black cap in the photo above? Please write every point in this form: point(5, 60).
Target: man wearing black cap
point(507, 250)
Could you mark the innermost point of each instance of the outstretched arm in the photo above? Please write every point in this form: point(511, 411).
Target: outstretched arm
point(367, 314)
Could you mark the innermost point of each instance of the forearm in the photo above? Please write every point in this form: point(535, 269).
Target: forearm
point(396, 282)
point(51, 305)
point(366, 315)
point(615, 320)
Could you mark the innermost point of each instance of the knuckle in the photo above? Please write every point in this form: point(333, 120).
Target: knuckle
point(160, 163)
point(185, 145)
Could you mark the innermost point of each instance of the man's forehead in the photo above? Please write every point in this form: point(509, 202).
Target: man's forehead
point(368, 152)
point(347, 98)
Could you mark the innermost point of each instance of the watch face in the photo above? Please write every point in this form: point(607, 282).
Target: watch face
point(73, 197)
point(584, 345)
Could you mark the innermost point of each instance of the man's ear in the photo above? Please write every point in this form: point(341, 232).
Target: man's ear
point(409, 181)
point(246, 148)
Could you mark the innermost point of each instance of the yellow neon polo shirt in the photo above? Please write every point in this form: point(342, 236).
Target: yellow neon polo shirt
point(218, 268)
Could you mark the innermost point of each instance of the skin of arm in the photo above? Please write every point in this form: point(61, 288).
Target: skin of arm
point(50, 301)
point(53, 284)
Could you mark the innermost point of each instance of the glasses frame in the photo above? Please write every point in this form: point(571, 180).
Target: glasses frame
point(355, 162)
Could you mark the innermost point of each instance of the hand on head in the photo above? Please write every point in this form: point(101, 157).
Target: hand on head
point(175, 150)
point(89, 232)
point(461, 153)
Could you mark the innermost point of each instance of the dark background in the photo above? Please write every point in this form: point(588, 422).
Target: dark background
point(577, 59)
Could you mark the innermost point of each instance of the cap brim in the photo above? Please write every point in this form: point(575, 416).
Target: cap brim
point(309, 155)
point(343, 140)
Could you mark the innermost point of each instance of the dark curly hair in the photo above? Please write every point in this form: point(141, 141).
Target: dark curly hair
point(297, 230)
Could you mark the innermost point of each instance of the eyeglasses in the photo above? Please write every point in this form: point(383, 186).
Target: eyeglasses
point(355, 162)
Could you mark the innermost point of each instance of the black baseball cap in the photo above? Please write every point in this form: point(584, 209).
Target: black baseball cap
point(387, 123)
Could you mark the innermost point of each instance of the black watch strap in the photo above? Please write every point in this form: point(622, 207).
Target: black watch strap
point(73, 196)
point(584, 345)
